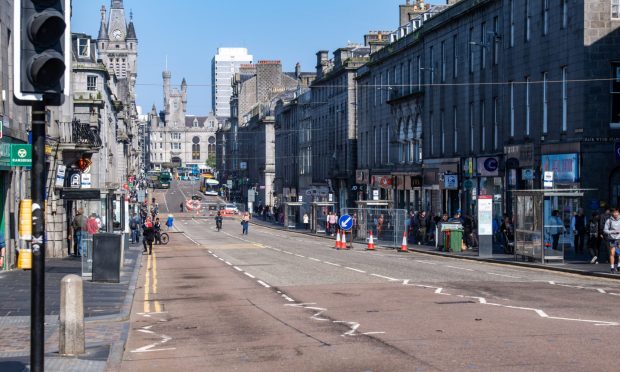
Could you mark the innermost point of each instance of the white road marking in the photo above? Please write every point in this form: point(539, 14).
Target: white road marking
point(298, 255)
point(216, 256)
point(354, 269)
point(221, 259)
point(459, 268)
point(288, 298)
point(506, 276)
point(263, 284)
point(287, 252)
point(250, 275)
point(228, 263)
point(426, 262)
point(386, 277)
point(314, 259)
point(209, 251)
point(237, 268)
point(151, 347)
point(333, 264)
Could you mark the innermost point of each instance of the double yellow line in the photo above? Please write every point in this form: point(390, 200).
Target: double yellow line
point(150, 285)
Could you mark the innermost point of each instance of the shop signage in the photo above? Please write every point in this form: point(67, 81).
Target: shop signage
point(548, 179)
point(488, 167)
point(60, 176)
point(485, 215)
point(565, 167)
point(300, 198)
point(330, 197)
point(468, 167)
point(527, 174)
point(416, 181)
point(15, 155)
point(361, 176)
point(86, 181)
point(451, 181)
point(468, 184)
point(519, 155)
point(76, 181)
point(243, 165)
point(375, 194)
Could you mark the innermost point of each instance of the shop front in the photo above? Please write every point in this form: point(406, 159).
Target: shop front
point(408, 194)
point(441, 185)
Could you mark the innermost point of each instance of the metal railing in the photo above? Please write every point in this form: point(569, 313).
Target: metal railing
point(387, 225)
point(83, 134)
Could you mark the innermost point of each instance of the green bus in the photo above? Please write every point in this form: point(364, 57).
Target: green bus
point(159, 180)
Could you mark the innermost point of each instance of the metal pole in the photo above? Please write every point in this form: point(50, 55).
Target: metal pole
point(38, 180)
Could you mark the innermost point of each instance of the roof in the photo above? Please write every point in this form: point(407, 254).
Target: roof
point(131, 31)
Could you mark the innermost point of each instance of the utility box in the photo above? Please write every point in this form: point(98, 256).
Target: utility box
point(107, 252)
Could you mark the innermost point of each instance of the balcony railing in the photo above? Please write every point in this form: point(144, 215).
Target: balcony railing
point(79, 134)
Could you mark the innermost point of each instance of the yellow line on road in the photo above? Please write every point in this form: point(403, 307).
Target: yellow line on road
point(147, 287)
point(154, 273)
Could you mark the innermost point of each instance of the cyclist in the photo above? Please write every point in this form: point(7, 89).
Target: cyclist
point(218, 221)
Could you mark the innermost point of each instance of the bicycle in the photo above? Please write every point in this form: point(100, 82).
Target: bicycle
point(162, 238)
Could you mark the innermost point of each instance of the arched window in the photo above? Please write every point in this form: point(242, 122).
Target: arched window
point(196, 148)
point(211, 147)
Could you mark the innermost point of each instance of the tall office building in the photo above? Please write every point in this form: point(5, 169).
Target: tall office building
point(223, 67)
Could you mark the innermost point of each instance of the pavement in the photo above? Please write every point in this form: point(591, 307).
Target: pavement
point(573, 266)
point(106, 311)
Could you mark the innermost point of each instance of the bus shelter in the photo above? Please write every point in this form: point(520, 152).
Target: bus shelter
point(387, 225)
point(293, 214)
point(542, 223)
point(318, 222)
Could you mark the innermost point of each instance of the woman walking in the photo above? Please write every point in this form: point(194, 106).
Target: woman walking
point(245, 222)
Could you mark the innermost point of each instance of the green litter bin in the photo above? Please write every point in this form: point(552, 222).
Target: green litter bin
point(452, 236)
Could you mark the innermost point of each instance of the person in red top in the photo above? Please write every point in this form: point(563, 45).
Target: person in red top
point(92, 227)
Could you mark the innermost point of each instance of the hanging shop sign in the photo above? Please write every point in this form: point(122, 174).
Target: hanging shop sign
point(60, 176)
point(451, 181)
point(86, 181)
point(15, 155)
point(488, 166)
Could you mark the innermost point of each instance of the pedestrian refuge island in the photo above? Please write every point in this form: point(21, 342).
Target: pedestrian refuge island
point(542, 223)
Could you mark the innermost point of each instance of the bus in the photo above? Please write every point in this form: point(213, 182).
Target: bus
point(158, 179)
point(209, 185)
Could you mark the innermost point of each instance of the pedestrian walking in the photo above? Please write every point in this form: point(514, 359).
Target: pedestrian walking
point(92, 226)
point(333, 222)
point(134, 226)
point(612, 232)
point(79, 230)
point(245, 222)
point(170, 221)
point(157, 228)
point(148, 232)
point(556, 228)
point(578, 227)
point(594, 238)
point(181, 207)
point(306, 220)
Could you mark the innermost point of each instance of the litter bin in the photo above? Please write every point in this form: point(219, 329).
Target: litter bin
point(107, 257)
point(452, 234)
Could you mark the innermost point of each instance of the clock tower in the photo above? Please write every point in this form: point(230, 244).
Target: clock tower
point(118, 43)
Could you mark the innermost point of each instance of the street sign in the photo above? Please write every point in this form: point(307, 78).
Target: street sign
point(229, 183)
point(300, 198)
point(346, 222)
point(548, 179)
point(86, 181)
point(60, 176)
point(468, 184)
point(15, 155)
point(375, 194)
point(451, 181)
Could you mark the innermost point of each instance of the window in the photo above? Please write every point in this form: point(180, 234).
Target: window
point(432, 65)
point(496, 40)
point(83, 48)
point(495, 124)
point(175, 146)
point(176, 136)
point(545, 103)
point(483, 128)
point(615, 93)
point(195, 151)
point(615, 8)
point(545, 17)
point(431, 129)
point(512, 109)
point(442, 129)
point(91, 83)
point(483, 48)
point(527, 106)
point(455, 128)
point(161, 145)
point(564, 99)
point(512, 22)
point(455, 57)
point(443, 61)
point(419, 63)
point(410, 65)
point(528, 20)
point(471, 50)
point(565, 12)
point(471, 127)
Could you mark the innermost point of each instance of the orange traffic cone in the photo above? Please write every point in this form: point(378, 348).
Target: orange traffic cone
point(343, 242)
point(403, 245)
point(337, 239)
point(371, 243)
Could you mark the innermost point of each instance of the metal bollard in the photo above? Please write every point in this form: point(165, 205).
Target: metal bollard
point(71, 340)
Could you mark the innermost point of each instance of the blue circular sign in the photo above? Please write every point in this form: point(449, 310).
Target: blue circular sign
point(491, 164)
point(346, 222)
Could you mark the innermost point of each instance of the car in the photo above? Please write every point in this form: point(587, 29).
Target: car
point(231, 208)
point(196, 197)
point(210, 193)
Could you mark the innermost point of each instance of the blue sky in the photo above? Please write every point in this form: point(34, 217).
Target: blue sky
point(188, 32)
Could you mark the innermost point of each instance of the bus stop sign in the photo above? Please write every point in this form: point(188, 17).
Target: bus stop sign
point(346, 222)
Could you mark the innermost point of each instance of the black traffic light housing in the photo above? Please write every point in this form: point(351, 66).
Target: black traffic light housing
point(42, 49)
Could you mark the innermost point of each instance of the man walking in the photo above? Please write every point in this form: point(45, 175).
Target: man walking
point(612, 232)
point(134, 225)
point(79, 229)
point(578, 226)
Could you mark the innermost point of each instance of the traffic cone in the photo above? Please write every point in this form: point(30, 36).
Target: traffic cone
point(343, 242)
point(371, 243)
point(337, 239)
point(403, 246)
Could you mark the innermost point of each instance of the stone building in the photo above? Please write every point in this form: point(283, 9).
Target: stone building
point(482, 97)
point(176, 139)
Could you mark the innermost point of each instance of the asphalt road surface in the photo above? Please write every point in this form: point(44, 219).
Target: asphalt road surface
point(280, 301)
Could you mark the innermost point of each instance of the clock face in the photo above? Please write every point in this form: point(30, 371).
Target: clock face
point(117, 34)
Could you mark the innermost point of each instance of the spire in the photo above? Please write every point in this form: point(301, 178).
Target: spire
point(103, 29)
point(131, 30)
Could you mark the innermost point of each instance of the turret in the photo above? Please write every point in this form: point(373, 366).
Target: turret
point(103, 28)
point(167, 76)
point(184, 94)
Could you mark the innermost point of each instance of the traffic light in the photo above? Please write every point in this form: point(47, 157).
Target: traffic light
point(42, 48)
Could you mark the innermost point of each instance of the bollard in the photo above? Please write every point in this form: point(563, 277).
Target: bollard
point(71, 340)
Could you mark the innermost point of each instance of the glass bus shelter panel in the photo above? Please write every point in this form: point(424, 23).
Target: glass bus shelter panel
point(387, 225)
point(293, 215)
point(319, 217)
point(558, 211)
point(528, 227)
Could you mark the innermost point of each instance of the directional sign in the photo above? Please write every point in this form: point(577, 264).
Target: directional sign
point(346, 222)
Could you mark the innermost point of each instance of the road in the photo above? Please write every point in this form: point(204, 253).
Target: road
point(280, 301)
